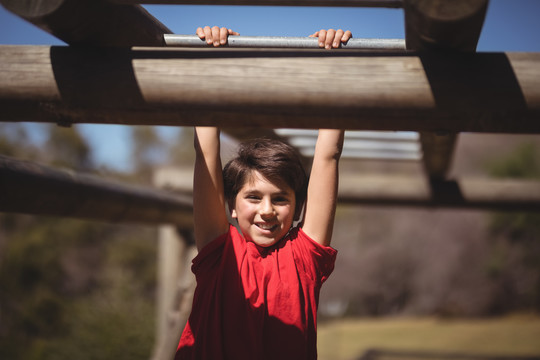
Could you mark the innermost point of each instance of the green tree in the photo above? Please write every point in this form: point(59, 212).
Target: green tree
point(66, 147)
point(149, 151)
point(515, 258)
point(72, 289)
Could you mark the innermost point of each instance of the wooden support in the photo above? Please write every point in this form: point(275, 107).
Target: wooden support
point(175, 289)
point(485, 92)
point(442, 26)
point(30, 188)
point(331, 3)
point(91, 22)
point(467, 193)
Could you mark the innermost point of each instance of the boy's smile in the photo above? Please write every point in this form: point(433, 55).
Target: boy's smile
point(264, 210)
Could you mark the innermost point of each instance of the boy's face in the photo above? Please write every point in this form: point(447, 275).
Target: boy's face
point(264, 210)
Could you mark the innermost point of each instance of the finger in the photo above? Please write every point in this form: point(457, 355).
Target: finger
point(208, 34)
point(215, 35)
point(346, 36)
point(315, 34)
point(329, 38)
point(200, 33)
point(337, 39)
point(223, 35)
point(322, 38)
point(232, 32)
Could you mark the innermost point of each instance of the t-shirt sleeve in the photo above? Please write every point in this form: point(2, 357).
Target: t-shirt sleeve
point(317, 260)
point(209, 258)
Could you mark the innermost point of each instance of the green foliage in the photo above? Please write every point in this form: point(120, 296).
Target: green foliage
point(72, 289)
point(77, 289)
point(515, 254)
point(522, 164)
point(67, 148)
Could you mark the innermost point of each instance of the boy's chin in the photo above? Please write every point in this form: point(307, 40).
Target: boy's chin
point(266, 242)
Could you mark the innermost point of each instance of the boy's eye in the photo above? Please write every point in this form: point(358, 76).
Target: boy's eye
point(281, 200)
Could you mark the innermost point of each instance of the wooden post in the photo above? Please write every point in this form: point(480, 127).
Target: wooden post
point(91, 22)
point(442, 26)
point(176, 282)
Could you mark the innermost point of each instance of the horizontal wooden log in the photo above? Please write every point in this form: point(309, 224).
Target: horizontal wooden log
point(92, 22)
point(332, 3)
point(485, 92)
point(30, 188)
point(467, 193)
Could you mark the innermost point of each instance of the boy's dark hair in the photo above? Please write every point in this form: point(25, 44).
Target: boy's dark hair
point(274, 160)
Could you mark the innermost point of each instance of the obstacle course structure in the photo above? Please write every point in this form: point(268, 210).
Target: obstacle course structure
point(123, 67)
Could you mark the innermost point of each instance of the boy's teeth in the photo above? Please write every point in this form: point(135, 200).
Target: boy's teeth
point(265, 227)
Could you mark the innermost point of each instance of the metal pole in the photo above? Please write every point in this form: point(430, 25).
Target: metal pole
point(391, 4)
point(285, 42)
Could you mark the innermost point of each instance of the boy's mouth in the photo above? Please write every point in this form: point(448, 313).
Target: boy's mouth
point(266, 227)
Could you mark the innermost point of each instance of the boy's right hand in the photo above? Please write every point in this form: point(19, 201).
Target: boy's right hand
point(215, 35)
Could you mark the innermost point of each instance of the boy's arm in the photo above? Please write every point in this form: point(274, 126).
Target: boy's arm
point(323, 185)
point(209, 213)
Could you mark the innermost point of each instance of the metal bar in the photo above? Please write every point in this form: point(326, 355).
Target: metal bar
point(390, 136)
point(391, 4)
point(359, 154)
point(284, 42)
point(30, 188)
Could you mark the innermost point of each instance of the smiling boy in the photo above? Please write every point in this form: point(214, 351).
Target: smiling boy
point(258, 282)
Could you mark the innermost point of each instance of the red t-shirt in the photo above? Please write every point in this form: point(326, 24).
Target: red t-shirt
point(256, 303)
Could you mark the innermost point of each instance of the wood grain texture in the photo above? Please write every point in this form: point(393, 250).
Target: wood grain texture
point(271, 89)
point(91, 22)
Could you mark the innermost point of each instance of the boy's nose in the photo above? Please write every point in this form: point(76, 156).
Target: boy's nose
point(266, 208)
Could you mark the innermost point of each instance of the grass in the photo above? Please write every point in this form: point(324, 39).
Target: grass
point(516, 335)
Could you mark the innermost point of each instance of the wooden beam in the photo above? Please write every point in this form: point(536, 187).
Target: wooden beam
point(330, 3)
point(30, 188)
point(495, 92)
point(442, 25)
point(468, 193)
point(91, 22)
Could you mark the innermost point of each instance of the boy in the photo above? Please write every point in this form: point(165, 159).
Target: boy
point(258, 283)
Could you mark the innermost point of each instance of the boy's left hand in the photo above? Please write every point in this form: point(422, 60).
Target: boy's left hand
point(331, 38)
point(215, 35)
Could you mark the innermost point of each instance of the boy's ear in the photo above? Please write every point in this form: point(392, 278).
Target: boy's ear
point(234, 215)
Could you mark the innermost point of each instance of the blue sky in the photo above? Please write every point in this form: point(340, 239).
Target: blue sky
point(511, 25)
